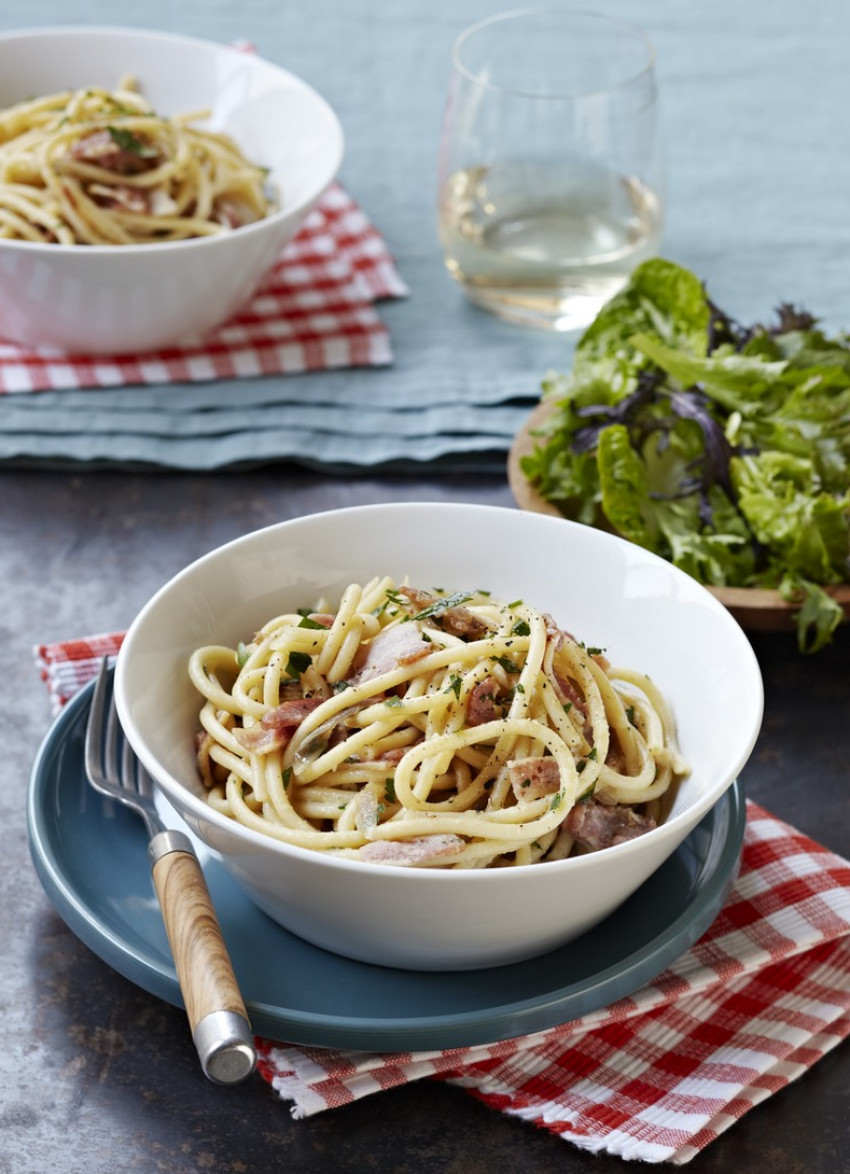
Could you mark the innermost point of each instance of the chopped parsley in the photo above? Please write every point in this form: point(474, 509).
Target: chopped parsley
point(440, 605)
point(298, 663)
point(392, 597)
point(507, 664)
point(127, 141)
point(307, 622)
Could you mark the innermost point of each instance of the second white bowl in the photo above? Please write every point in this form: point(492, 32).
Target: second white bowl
point(106, 299)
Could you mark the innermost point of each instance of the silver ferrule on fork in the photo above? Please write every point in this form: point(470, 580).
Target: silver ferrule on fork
point(166, 841)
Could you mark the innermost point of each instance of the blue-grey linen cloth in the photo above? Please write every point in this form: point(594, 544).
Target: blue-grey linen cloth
point(758, 204)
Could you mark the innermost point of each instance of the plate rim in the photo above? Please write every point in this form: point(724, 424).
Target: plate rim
point(463, 1028)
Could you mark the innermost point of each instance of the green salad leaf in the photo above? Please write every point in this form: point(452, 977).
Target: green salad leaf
point(724, 448)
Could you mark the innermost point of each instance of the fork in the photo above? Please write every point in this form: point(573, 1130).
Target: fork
point(220, 1027)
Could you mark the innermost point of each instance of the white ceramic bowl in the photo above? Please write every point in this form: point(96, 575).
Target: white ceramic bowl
point(608, 592)
point(111, 299)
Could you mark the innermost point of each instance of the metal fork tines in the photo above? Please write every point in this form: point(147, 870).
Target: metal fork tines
point(220, 1027)
point(112, 766)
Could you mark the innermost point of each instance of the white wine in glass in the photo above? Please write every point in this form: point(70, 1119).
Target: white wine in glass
point(549, 195)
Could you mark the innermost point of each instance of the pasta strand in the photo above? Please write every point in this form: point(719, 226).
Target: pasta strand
point(432, 729)
point(99, 167)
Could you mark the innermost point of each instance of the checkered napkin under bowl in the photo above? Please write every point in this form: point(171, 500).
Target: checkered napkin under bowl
point(313, 312)
point(656, 1076)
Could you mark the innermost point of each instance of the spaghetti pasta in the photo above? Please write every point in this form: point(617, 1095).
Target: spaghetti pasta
point(432, 729)
point(100, 167)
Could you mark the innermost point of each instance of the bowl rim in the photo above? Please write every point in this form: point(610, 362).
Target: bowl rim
point(170, 247)
point(169, 785)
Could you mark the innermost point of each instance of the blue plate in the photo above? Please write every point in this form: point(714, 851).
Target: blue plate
point(90, 855)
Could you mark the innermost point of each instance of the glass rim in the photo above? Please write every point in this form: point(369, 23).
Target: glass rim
point(564, 95)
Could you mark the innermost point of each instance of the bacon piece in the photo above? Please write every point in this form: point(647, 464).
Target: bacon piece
point(103, 150)
point(616, 757)
point(391, 757)
point(482, 705)
point(232, 213)
point(328, 733)
point(322, 617)
point(554, 632)
point(458, 620)
point(532, 778)
point(595, 826)
point(411, 852)
point(390, 649)
point(274, 729)
point(419, 598)
point(568, 692)
point(120, 196)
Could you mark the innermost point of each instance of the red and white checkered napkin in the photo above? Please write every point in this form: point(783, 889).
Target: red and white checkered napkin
point(69, 664)
point(314, 312)
point(762, 996)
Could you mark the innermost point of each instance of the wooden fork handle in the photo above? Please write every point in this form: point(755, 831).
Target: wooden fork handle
point(217, 1016)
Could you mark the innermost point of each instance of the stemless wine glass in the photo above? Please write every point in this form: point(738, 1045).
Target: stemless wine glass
point(550, 170)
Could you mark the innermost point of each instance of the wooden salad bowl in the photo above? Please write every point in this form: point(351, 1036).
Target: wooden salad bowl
point(756, 609)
